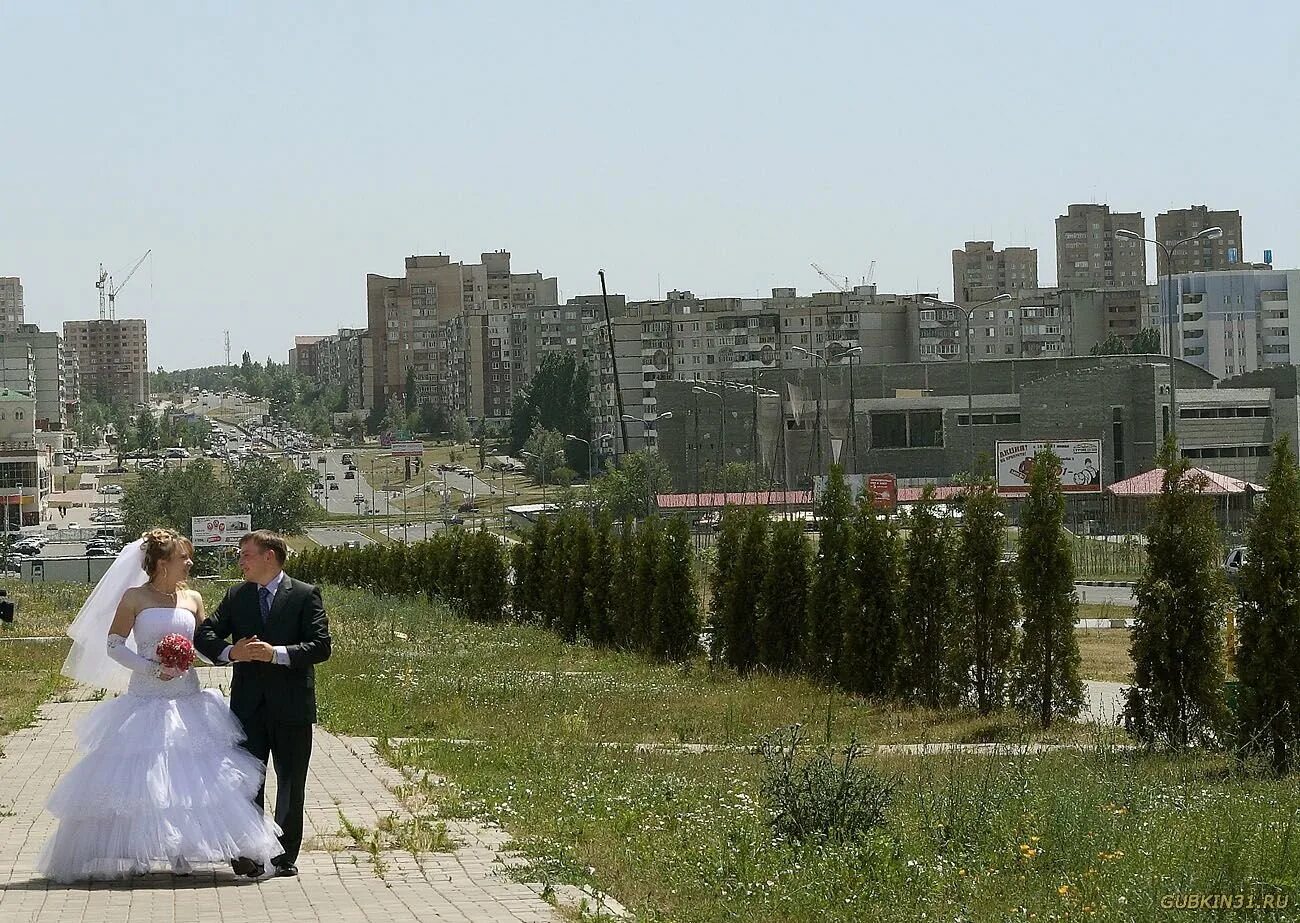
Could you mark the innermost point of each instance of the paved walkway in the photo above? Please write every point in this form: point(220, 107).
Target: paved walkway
point(338, 880)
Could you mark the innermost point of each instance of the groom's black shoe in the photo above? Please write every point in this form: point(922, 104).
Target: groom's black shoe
point(283, 867)
point(247, 867)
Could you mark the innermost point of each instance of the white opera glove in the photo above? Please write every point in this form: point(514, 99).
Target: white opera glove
point(120, 653)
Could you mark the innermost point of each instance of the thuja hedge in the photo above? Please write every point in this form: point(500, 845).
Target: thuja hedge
point(625, 586)
point(464, 568)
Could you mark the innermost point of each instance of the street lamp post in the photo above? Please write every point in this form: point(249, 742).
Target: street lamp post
point(722, 437)
point(970, 386)
point(1206, 234)
point(851, 351)
point(591, 464)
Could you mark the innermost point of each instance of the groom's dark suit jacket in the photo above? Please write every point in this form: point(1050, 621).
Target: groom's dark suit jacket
point(298, 622)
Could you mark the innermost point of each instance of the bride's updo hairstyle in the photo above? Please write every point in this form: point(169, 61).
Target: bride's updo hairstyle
point(161, 544)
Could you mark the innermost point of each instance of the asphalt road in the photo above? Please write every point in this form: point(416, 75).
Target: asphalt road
point(331, 537)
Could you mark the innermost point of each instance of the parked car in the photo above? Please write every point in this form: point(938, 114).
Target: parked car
point(110, 488)
point(100, 552)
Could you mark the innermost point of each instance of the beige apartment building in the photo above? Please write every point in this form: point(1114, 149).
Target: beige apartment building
point(422, 320)
point(1218, 255)
point(11, 303)
point(687, 338)
point(1089, 255)
point(979, 272)
point(112, 358)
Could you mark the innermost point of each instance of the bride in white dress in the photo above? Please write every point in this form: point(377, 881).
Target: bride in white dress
point(162, 780)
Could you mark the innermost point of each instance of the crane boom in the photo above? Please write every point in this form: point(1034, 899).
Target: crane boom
point(113, 290)
point(840, 285)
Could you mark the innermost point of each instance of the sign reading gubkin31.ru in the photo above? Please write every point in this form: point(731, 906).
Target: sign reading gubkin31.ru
point(1080, 471)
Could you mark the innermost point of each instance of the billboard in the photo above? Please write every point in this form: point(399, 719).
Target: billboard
point(1080, 465)
point(407, 449)
point(884, 491)
point(219, 531)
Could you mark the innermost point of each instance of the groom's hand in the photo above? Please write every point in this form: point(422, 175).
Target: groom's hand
point(251, 649)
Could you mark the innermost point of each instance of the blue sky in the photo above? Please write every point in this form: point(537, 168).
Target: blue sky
point(273, 153)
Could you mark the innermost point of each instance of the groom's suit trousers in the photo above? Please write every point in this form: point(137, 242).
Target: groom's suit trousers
point(288, 746)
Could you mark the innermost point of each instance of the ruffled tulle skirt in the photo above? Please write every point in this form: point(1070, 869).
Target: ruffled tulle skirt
point(162, 778)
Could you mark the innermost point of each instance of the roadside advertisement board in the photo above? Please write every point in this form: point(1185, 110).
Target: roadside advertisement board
point(219, 531)
point(407, 449)
point(1080, 465)
point(884, 491)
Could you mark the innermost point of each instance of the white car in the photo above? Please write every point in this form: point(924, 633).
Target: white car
point(110, 489)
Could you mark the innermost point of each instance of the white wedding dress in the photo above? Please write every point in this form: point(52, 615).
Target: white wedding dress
point(162, 778)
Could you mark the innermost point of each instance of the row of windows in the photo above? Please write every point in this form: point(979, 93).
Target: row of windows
point(989, 419)
point(1211, 413)
point(1229, 451)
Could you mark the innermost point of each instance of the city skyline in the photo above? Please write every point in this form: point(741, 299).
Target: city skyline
point(272, 160)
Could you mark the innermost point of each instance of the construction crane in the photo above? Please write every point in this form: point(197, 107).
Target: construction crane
point(840, 285)
point(107, 290)
point(843, 284)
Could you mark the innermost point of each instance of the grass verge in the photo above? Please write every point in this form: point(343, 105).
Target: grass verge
point(511, 724)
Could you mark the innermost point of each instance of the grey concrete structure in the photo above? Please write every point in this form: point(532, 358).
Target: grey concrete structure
point(979, 272)
point(49, 367)
point(1218, 255)
point(911, 419)
point(1089, 255)
point(11, 303)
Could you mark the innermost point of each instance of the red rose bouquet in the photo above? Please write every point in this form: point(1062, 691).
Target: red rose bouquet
point(175, 652)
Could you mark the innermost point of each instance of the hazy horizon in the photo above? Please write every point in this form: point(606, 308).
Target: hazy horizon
point(273, 154)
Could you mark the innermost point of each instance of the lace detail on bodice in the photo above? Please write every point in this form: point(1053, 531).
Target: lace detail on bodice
point(151, 626)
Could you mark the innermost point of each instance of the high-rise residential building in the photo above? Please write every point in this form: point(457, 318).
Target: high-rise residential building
point(407, 318)
point(979, 272)
point(112, 358)
point(25, 464)
point(1217, 255)
point(48, 371)
point(685, 337)
point(1089, 255)
point(11, 302)
point(1236, 322)
point(303, 356)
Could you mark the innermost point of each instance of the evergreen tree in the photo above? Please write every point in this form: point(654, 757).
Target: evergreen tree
point(1147, 342)
point(1048, 680)
point(988, 600)
point(784, 598)
point(829, 596)
point(1268, 659)
point(520, 561)
point(742, 644)
point(677, 611)
point(645, 624)
point(624, 610)
point(1177, 692)
point(872, 633)
point(726, 564)
point(539, 541)
point(1176, 697)
point(574, 621)
point(927, 609)
point(601, 565)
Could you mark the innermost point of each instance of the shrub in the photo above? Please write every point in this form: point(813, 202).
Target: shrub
point(825, 796)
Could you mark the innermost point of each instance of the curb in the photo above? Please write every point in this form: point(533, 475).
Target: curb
point(1127, 583)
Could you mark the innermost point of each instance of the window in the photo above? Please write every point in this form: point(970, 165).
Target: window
point(889, 430)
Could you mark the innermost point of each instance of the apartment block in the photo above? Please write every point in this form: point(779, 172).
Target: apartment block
point(112, 358)
point(25, 464)
point(49, 369)
point(1089, 255)
point(11, 303)
point(684, 337)
point(1183, 224)
point(1233, 323)
point(303, 357)
point(979, 272)
point(420, 320)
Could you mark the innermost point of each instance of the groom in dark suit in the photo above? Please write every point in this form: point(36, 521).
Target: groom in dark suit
point(274, 630)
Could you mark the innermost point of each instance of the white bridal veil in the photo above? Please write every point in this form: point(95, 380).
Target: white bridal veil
point(88, 661)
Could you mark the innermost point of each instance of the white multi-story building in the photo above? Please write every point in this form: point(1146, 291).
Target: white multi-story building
point(1235, 322)
point(24, 464)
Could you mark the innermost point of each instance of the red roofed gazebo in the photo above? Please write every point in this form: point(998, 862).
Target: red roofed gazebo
point(1234, 498)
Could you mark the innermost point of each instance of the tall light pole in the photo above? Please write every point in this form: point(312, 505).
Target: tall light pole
point(722, 437)
point(970, 386)
point(1170, 307)
point(590, 463)
point(851, 351)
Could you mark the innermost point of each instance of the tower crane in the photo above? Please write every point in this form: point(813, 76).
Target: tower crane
point(108, 290)
point(841, 285)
